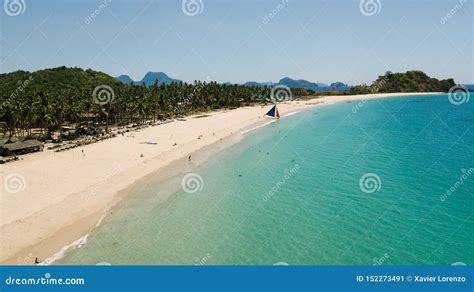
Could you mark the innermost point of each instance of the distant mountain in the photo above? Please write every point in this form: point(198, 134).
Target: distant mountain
point(340, 86)
point(149, 79)
point(469, 87)
point(125, 79)
point(258, 84)
point(292, 83)
point(162, 78)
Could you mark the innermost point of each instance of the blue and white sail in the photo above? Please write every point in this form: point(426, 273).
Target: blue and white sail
point(273, 112)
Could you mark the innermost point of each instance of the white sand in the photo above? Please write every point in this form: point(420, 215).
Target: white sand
point(65, 194)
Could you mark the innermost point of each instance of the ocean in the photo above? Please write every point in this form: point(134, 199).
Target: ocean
point(377, 182)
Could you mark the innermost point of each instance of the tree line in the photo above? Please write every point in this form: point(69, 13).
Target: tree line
point(49, 99)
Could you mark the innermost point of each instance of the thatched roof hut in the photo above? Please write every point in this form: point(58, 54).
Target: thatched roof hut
point(20, 147)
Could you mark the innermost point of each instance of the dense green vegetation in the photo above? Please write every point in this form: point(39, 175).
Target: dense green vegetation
point(411, 81)
point(50, 99)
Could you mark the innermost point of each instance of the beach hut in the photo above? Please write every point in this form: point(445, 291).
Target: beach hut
point(20, 147)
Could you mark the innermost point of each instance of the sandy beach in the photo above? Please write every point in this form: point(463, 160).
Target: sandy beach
point(62, 196)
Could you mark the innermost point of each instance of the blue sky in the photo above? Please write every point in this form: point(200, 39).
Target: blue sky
point(320, 41)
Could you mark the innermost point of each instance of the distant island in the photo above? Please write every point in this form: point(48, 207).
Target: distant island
point(49, 101)
point(161, 78)
point(303, 84)
point(149, 79)
point(411, 81)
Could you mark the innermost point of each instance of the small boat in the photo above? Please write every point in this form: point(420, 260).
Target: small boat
point(273, 112)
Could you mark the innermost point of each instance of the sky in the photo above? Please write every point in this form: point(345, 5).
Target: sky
point(242, 40)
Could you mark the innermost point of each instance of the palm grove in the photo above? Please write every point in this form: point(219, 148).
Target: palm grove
point(49, 99)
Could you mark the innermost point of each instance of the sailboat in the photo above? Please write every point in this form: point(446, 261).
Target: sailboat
point(273, 112)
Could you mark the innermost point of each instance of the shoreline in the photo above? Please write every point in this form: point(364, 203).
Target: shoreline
point(64, 202)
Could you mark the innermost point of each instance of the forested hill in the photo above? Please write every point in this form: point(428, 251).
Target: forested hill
point(411, 81)
point(54, 80)
point(48, 99)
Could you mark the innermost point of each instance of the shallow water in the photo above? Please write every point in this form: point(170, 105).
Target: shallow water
point(357, 183)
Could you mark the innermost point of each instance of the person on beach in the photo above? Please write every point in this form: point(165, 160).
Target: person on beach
point(189, 158)
point(36, 261)
point(83, 154)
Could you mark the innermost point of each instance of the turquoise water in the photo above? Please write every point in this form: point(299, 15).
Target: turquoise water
point(291, 193)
